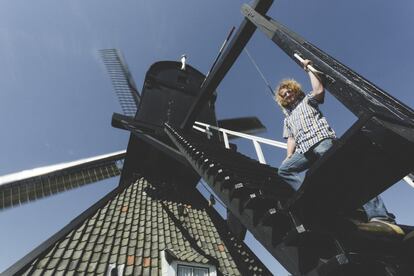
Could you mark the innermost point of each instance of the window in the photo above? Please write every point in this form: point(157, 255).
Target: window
point(185, 270)
point(172, 266)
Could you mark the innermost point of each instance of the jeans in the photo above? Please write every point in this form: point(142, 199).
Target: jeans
point(291, 167)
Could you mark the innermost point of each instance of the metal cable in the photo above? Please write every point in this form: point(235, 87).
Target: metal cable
point(260, 72)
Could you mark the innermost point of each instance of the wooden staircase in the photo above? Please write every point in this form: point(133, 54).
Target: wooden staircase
point(264, 204)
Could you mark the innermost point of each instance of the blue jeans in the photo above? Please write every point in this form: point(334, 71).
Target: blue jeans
point(291, 167)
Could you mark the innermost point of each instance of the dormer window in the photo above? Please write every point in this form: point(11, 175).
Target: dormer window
point(179, 263)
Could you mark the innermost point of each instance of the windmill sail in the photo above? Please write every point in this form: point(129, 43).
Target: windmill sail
point(31, 185)
point(122, 80)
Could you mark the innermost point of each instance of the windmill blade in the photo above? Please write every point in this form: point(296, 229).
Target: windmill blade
point(249, 125)
point(122, 80)
point(30, 185)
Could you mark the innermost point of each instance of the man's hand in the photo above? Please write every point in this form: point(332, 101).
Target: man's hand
point(317, 86)
point(305, 64)
point(291, 146)
point(288, 157)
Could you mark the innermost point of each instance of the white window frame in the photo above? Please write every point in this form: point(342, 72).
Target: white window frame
point(192, 267)
point(171, 269)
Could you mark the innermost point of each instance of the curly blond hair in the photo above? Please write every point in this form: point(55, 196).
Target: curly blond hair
point(293, 86)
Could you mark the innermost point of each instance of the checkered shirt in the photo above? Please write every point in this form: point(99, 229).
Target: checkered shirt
point(306, 124)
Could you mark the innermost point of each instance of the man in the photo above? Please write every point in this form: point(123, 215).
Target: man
point(309, 136)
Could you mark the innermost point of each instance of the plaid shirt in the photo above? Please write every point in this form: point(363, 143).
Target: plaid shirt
point(306, 124)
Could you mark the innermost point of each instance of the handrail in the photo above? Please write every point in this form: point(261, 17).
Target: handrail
point(247, 136)
point(255, 139)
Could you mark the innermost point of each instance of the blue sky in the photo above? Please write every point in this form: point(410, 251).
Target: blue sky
point(57, 100)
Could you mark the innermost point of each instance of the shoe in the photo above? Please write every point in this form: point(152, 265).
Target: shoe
point(383, 219)
point(386, 225)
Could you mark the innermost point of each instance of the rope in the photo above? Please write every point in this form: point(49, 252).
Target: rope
point(260, 72)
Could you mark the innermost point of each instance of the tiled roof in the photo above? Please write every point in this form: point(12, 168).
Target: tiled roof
point(135, 225)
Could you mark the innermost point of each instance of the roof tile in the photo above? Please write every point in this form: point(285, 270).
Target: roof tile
point(72, 265)
point(101, 268)
point(63, 265)
point(92, 267)
point(83, 266)
point(122, 259)
point(48, 273)
point(129, 270)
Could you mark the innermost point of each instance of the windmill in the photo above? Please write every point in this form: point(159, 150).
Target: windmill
point(163, 152)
